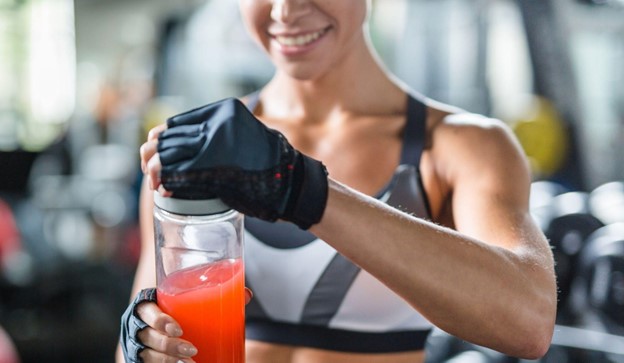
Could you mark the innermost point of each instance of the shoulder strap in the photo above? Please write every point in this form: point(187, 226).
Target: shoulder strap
point(414, 134)
point(414, 138)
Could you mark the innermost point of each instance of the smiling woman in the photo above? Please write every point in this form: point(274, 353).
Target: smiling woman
point(383, 214)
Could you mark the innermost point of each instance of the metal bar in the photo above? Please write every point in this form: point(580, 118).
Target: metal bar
point(567, 336)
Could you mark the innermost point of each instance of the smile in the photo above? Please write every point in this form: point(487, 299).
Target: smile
point(299, 40)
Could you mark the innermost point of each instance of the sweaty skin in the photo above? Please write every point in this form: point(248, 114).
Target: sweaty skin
point(481, 270)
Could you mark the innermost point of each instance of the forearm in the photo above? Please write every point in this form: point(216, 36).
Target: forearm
point(145, 275)
point(479, 292)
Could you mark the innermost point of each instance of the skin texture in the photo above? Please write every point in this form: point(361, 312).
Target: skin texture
point(481, 270)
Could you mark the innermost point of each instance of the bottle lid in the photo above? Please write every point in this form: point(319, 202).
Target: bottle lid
point(191, 207)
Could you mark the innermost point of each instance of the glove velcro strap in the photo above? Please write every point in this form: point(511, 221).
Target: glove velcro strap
point(311, 199)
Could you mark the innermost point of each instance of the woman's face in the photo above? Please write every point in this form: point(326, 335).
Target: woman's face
point(305, 38)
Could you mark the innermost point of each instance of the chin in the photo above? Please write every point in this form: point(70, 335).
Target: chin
point(300, 73)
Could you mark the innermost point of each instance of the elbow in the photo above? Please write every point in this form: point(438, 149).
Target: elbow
point(529, 345)
point(537, 336)
point(535, 347)
point(531, 327)
point(536, 323)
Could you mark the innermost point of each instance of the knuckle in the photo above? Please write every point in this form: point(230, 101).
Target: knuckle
point(155, 132)
point(143, 310)
point(167, 345)
point(163, 344)
point(153, 164)
point(161, 320)
point(142, 336)
point(156, 342)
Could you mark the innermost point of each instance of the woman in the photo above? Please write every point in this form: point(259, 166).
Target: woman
point(459, 251)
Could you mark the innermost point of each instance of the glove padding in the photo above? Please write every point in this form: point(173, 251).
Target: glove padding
point(222, 151)
point(131, 325)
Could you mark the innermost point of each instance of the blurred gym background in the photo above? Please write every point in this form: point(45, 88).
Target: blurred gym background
point(81, 81)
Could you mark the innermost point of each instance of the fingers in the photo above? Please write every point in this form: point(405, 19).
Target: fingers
point(151, 166)
point(150, 160)
point(248, 295)
point(151, 314)
point(152, 171)
point(159, 346)
point(161, 337)
point(155, 132)
point(147, 152)
point(149, 355)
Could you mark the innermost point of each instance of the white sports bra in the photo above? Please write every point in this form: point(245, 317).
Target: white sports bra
point(307, 294)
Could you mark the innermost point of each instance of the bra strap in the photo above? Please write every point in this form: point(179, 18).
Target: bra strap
point(414, 134)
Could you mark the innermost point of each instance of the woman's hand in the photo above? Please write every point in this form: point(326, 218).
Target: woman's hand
point(150, 335)
point(222, 151)
point(150, 160)
point(161, 337)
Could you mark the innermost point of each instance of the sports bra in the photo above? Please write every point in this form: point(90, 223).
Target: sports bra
point(307, 294)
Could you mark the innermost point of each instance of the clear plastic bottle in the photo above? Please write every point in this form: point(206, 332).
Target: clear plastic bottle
point(200, 274)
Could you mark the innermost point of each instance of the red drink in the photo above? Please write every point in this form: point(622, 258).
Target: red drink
point(208, 301)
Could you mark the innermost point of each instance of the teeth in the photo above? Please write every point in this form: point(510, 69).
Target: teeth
point(300, 39)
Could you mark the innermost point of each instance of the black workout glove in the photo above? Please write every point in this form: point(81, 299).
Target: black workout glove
point(222, 151)
point(131, 325)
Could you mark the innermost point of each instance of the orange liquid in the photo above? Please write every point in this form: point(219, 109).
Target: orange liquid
point(208, 302)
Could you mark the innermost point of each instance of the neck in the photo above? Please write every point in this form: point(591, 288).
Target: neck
point(359, 84)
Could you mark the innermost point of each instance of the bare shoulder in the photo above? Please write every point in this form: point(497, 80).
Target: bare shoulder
point(466, 142)
point(449, 122)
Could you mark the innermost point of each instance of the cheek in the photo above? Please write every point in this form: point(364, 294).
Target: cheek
point(349, 14)
point(256, 15)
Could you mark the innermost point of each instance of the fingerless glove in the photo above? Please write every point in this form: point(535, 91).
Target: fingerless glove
point(131, 325)
point(222, 151)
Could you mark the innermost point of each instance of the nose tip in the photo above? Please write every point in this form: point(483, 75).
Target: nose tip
point(288, 11)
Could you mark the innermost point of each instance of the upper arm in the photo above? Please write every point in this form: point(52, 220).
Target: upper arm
point(490, 183)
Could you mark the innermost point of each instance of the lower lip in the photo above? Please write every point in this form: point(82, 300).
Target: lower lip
point(297, 50)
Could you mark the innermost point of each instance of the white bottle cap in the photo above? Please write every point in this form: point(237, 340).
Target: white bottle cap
point(190, 207)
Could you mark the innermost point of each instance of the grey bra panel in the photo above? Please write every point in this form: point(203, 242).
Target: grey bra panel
point(282, 235)
point(406, 193)
point(254, 307)
point(329, 291)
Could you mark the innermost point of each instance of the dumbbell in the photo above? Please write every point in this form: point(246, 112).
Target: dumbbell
point(606, 202)
point(601, 278)
point(541, 201)
point(443, 347)
point(570, 225)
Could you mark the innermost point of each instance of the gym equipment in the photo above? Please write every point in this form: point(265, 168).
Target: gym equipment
point(543, 137)
point(599, 286)
point(443, 347)
point(540, 203)
point(606, 202)
point(578, 338)
point(553, 75)
point(570, 225)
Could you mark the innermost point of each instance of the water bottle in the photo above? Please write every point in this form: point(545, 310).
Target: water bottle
point(200, 274)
